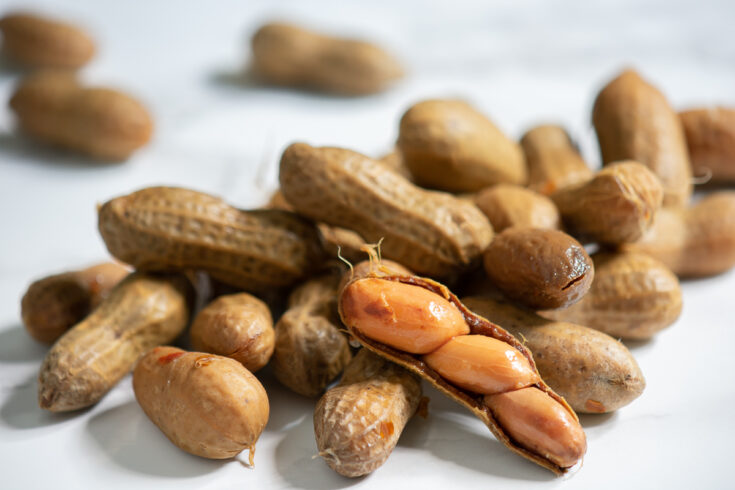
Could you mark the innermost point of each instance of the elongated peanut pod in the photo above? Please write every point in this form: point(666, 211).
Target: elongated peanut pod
point(358, 422)
point(553, 161)
point(540, 423)
point(710, 135)
point(508, 205)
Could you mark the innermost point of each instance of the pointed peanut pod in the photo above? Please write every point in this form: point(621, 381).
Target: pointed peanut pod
point(358, 422)
point(710, 135)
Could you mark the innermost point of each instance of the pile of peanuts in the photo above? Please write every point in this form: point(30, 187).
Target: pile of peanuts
point(458, 210)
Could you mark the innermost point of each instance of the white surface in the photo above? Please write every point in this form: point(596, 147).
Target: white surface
point(521, 62)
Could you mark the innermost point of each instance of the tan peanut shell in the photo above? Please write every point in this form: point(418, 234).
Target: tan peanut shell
point(633, 296)
point(164, 228)
point(310, 351)
point(289, 55)
point(616, 206)
point(710, 136)
point(448, 145)
point(55, 303)
point(634, 121)
point(395, 161)
point(539, 268)
point(358, 422)
point(102, 123)
point(430, 232)
point(507, 205)
point(41, 42)
point(594, 372)
point(238, 326)
point(694, 242)
point(141, 312)
point(472, 401)
point(208, 405)
point(553, 161)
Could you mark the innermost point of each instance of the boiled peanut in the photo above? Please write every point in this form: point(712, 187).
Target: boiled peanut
point(539, 268)
point(163, 228)
point(42, 42)
point(310, 351)
point(368, 268)
point(395, 161)
point(141, 312)
point(358, 422)
point(634, 121)
point(289, 55)
point(208, 405)
point(430, 232)
point(694, 242)
point(238, 326)
point(99, 122)
point(553, 161)
point(616, 206)
point(594, 372)
point(633, 296)
point(55, 303)
point(508, 205)
point(448, 145)
point(710, 135)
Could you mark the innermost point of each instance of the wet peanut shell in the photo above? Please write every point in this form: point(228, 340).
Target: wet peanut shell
point(710, 136)
point(539, 268)
point(472, 401)
point(168, 228)
point(358, 422)
point(508, 205)
point(430, 232)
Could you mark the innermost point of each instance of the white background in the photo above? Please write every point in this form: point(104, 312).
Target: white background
point(520, 62)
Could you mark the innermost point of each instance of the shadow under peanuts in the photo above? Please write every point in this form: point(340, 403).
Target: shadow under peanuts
point(590, 420)
point(21, 410)
point(16, 346)
point(21, 146)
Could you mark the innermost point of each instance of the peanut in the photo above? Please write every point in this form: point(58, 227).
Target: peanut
point(358, 422)
point(710, 135)
point(162, 228)
point(42, 42)
point(288, 55)
point(616, 206)
point(310, 351)
point(448, 145)
point(395, 161)
point(238, 326)
point(633, 296)
point(208, 405)
point(430, 232)
point(508, 205)
point(634, 121)
point(102, 123)
point(694, 242)
point(591, 370)
point(141, 312)
point(553, 161)
point(55, 303)
point(539, 268)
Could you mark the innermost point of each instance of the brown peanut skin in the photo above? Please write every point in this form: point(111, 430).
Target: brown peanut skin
point(208, 405)
point(141, 312)
point(168, 228)
point(448, 145)
point(633, 296)
point(291, 56)
point(238, 326)
point(539, 268)
point(710, 136)
point(41, 42)
point(616, 206)
point(101, 123)
point(358, 422)
point(310, 351)
point(507, 205)
point(594, 372)
point(553, 161)
point(694, 242)
point(55, 303)
point(430, 232)
point(634, 121)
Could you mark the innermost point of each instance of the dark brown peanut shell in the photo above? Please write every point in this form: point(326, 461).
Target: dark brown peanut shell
point(539, 268)
point(710, 135)
point(508, 205)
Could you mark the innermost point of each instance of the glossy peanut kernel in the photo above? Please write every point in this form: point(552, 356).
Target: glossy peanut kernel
point(403, 316)
point(482, 364)
point(540, 424)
